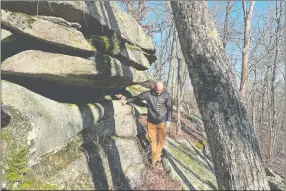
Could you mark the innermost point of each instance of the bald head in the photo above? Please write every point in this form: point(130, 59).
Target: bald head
point(158, 87)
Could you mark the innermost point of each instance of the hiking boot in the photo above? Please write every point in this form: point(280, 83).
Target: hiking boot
point(153, 165)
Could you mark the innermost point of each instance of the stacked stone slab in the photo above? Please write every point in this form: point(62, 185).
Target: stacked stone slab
point(59, 145)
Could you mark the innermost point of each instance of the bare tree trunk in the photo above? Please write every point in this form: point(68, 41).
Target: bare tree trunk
point(183, 75)
point(178, 129)
point(171, 63)
point(245, 50)
point(174, 81)
point(234, 147)
point(226, 20)
point(253, 111)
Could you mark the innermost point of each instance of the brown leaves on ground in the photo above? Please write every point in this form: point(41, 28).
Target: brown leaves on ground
point(158, 179)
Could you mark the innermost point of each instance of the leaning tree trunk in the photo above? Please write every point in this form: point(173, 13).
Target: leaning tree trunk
point(234, 148)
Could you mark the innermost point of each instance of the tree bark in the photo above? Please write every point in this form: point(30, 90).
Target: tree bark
point(225, 27)
point(234, 148)
point(178, 129)
point(174, 81)
point(246, 46)
point(171, 63)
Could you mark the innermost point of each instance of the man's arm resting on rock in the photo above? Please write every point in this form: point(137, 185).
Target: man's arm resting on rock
point(139, 97)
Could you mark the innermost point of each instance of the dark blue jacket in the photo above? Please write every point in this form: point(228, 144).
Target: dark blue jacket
point(159, 106)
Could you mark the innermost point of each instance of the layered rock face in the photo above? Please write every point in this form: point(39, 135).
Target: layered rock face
point(61, 63)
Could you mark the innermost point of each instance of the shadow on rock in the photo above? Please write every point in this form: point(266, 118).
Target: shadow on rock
point(92, 144)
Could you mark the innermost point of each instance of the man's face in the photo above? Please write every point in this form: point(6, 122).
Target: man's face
point(158, 88)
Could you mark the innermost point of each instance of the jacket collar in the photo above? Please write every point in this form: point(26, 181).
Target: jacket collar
point(153, 92)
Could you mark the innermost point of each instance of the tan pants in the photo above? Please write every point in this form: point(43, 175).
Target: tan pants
point(156, 134)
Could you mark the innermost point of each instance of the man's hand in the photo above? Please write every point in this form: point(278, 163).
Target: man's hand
point(119, 96)
point(123, 101)
point(168, 124)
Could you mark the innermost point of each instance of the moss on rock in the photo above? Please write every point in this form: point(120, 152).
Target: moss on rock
point(4, 135)
point(136, 89)
point(182, 159)
point(200, 146)
point(106, 44)
point(54, 162)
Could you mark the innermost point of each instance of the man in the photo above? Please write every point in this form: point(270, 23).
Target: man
point(159, 111)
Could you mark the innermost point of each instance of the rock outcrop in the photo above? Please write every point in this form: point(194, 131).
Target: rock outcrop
point(187, 164)
point(61, 64)
point(99, 71)
point(87, 142)
point(276, 182)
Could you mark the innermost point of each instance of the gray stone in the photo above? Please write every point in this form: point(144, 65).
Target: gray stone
point(185, 164)
point(93, 16)
point(45, 31)
point(134, 91)
point(75, 176)
point(100, 71)
point(43, 124)
point(129, 55)
point(130, 163)
point(119, 122)
point(135, 57)
point(59, 21)
point(276, 183)
point(5, 34)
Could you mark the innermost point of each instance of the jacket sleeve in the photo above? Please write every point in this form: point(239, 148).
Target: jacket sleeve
point(140, 97)
point(169, 109)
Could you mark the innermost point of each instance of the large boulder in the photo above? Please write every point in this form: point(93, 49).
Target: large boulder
point(100, 71)
point(46, 31)
point(45, 140)
point(40, 123)
point(276, 182)
point(95, 17)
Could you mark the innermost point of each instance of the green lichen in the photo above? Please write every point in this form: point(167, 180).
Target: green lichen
point(60, 159)
point(93, 48)
point(103, 40)
point(30, 19)
point(71, 104)
point(186, 159)
point(130, 47)
point(200, 146)
point(136, 89)
point(191, 165)
point(107, 44)
point(4, 135)
point(33, 184)
point(108, 97)
point(213, 34)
